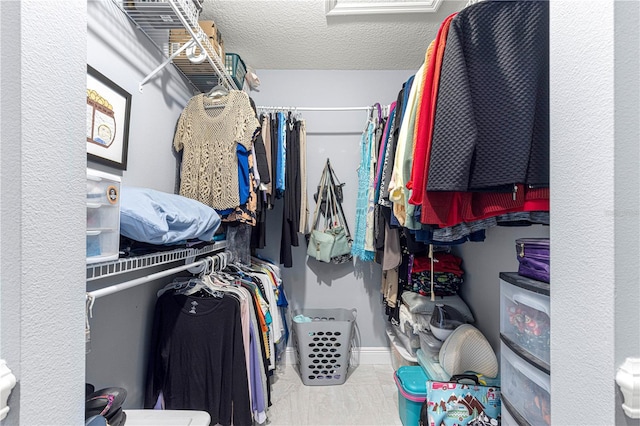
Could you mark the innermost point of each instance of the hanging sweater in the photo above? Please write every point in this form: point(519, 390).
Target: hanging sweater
point(209, 137)
point(426, 115)
point(491, 125)
point(197, 358)
point(398, 193)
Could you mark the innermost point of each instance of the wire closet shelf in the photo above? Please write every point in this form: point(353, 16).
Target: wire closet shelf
point(155, 19)
point(107, 269)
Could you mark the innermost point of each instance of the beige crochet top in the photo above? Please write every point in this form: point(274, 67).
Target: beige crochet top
point(208, 137)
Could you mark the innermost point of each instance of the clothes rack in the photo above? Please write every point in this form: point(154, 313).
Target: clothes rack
point(193, 267)
point(290, 108)
point(142, 280)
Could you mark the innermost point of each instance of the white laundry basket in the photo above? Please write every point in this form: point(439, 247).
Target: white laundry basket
point(323, 345)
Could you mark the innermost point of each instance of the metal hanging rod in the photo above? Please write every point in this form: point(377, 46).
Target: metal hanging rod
point(142, 280)
point(192, 265)
point(367, 108)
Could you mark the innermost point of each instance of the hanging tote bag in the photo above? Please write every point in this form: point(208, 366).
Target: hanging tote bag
point(322, 190)
point(332, 243)
point(320, 242)
point(341, 243)
point(341, 252)
point(320, 245)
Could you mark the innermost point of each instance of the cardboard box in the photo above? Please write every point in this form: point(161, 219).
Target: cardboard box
point(178, 37)
point(209, 28)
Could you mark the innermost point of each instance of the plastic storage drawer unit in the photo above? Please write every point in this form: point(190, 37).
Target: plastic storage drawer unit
point(507, 418)
point(103, 216)
point(400, 356)
point(524, 316)
point(525, 387)
point(412, 392)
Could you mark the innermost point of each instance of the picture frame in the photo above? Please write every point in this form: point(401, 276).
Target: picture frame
point(108, 114)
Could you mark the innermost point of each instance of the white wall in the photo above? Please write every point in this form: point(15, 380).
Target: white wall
point(593, 150)
point(43, 179)
point(333, 135)
point(627, 176)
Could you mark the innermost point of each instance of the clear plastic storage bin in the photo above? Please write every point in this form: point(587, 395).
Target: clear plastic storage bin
point(507, 418)
point(524, 316)
point(430, 345)
point(103, 216)
point(525, 387)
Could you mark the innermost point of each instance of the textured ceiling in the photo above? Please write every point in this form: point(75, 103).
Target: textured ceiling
point(296, 34)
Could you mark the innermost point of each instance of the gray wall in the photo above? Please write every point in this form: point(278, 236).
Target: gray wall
point(126, 56)
point(43, 245)
point(334, 135)
point(482, 263)
point(121, 323)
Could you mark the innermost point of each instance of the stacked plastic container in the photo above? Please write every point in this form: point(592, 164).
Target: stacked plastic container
point(411, 382)
point(103, 216)
point(525, 348)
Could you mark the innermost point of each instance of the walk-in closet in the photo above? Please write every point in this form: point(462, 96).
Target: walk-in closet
point(319, 91)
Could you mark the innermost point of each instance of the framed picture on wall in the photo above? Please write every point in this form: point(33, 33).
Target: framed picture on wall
point(108, 110)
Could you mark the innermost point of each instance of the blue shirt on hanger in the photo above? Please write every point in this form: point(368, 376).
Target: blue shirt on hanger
point(282, 155)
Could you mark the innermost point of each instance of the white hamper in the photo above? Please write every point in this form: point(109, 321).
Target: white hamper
point(323, 345)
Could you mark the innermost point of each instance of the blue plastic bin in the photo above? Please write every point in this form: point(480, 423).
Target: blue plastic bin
point(412, 392)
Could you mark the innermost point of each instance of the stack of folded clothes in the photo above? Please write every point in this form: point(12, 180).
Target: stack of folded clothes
point(414, 329)
point(447, 274)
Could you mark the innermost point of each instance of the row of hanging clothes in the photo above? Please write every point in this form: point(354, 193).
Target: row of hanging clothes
point(465, 146)
point(239, 163)
point(285, 138)
point(216, 339)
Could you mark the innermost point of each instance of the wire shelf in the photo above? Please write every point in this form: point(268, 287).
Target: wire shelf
point(107, 269)
point(156, 18)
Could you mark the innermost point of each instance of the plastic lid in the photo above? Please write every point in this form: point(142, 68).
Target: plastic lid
point(413, 380)
point(535, 241)
point(430, 340)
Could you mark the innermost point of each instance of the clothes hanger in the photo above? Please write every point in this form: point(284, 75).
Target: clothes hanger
point(378, 106)
point(193, 285)
point(217, 93)
point(220, 281)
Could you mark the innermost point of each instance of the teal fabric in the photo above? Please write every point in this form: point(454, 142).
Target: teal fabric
point(362, 204)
